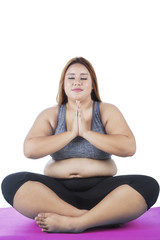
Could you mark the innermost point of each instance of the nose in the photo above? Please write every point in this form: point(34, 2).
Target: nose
point(77, 81)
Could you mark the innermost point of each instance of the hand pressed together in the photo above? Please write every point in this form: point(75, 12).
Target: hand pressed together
point(79, 125)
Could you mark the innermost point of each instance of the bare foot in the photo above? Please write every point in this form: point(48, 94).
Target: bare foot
point(52, 222)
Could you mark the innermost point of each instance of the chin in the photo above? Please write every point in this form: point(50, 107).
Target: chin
point(77, 98)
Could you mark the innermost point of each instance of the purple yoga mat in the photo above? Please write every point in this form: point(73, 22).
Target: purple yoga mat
point(14, 226)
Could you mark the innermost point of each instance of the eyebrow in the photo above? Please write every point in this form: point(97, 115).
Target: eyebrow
point(74, 74)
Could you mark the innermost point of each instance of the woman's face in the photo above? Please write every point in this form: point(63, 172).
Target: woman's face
point(78, 82)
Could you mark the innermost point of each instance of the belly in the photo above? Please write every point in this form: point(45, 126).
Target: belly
point(80, 167)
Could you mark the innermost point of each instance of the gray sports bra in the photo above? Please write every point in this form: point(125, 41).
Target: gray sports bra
point(80, 147)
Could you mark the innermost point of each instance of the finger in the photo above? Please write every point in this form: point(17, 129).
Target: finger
point(79, 114)
point(78, 103)
point(76, 113)
point(76, 107)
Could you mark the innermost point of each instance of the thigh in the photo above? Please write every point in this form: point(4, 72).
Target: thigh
point(145, 185)
point(14, 181)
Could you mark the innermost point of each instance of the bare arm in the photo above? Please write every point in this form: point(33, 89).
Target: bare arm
point(40, 140)
point(120, 140)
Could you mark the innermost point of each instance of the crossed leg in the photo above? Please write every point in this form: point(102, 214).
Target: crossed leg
point(122, 205)
point(34, 197)
point(35, 200)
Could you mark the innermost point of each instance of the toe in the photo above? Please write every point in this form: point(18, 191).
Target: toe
point(43, 215)
point(41, 223)
point(40, 219)
point(44, 229)
point(42, 226)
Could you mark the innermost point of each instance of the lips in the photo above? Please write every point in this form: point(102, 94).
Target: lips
point(77, 89)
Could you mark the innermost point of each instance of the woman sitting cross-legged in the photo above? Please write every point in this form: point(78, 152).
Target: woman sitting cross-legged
point(79, 188)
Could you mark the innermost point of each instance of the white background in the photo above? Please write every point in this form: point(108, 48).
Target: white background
point(122, 41)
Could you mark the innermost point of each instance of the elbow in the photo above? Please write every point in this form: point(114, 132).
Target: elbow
point(132, 149)
point(131, 152)
point(129, 148)
point(28, 150)
point(27, 154)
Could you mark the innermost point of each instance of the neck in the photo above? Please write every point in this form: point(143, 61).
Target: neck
point(71, 104)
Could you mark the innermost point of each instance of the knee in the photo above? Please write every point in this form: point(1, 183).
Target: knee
point(153, 190)
point(149, 189)
point(10, 185)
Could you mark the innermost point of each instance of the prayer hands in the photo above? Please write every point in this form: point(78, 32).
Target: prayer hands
point(79, 126)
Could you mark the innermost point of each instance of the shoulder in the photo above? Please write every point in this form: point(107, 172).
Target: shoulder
point(107, 108)
point(107, 111)
point(49, 112)
point(50, 115)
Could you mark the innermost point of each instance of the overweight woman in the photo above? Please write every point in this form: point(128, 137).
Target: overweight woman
point(79, 188)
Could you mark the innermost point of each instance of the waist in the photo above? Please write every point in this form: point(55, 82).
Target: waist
point(80, 168)
point(81, 184)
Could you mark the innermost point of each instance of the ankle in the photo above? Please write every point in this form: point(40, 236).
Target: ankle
point(77, 224)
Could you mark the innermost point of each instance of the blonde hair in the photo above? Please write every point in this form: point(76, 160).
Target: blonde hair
point(62, 97)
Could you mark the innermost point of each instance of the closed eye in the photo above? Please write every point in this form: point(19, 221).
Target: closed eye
point(74, 78)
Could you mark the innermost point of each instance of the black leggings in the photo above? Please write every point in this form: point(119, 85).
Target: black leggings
point(83, 193)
